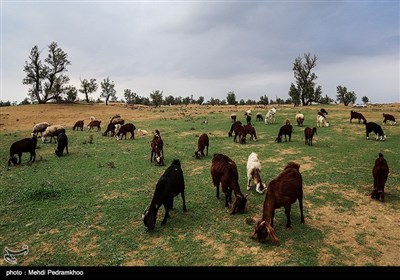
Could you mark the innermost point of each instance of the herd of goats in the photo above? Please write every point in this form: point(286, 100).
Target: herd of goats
point(282, 191)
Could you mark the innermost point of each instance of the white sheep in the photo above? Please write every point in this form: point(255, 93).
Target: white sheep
point(270, 116)
point(39, 128)
point(52, 131)
point(142, 132)
point(299, 119)
point(321, 121)
point(254, 173)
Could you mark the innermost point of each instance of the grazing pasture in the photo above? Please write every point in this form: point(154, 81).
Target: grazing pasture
point(85, 208)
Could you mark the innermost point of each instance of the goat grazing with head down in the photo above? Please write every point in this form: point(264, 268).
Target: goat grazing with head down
point(170, 184)
point(284, 190)
point(254, 173)
point(202, 143)
point(286, 129)
point(309, 134)
point(224, 171)
point(380, 172)
point(390, 118)
point(300, 119)
point(26, 145)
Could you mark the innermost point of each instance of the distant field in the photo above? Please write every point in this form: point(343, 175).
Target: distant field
point(85, 208)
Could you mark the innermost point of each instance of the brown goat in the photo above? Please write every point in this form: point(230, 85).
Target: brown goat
point(309, 134)
point(202, 143)
point(224, 170)
point(249, 129)
point(286, 129)
point(233, 127)
point(356, 115)
point(380, 172)
point(78, 125)
point(157, 152)
point(128, 127)
point(94, 123)
point(284, 190)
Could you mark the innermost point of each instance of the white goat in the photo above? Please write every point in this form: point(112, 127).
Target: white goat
point(254, 173)
point(321, 121)
point(39, 128)
point(270, 116)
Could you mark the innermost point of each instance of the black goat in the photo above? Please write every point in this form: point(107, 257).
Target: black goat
point(170, 184)
point(62, 143)
point(376, 128)
point(26, 145)
point(286, 129)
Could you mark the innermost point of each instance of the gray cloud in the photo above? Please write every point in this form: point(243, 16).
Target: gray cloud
point(208, 49)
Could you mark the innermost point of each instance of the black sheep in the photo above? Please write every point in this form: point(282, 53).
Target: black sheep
point(170, 184)
point(26, 145)
point(62, 143)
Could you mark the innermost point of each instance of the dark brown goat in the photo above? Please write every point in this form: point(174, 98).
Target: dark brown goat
point(78, 125)
point(309, 134)
point(239, 133)
point(157, 151)
point(94, 123)
point(233, 127)
point(202, 143)
point(224, 170)
point(110, 128)
point(388, 117)
point(356, 115)
point(380, 172)
point(286, 129)
point(284, 190)
point(26, 145)
point(249, 129)
point(128, 127)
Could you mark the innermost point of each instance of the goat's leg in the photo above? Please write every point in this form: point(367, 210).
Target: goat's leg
point(166, 216)
point(301, 210)
point(287, 212)
point(272, 218)
point(19, 158)
point(183, 200)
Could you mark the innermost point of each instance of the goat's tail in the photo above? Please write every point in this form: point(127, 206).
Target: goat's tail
point(380, 155)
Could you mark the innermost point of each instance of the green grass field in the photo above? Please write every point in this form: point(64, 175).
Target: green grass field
point(85, 208)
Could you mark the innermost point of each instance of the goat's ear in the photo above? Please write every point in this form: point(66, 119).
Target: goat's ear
point(272, 233)
point(253, 236)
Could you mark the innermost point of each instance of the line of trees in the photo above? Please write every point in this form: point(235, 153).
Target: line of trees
point(48, 81)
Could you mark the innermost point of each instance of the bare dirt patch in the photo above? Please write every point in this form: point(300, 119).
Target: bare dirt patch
point(218, 249)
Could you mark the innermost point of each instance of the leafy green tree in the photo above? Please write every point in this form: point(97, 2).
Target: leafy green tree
point(200, 100)
point(345, 97)
point(88, 87)
point(326, 100)
point(263, 100)
point(186, 100)
point(131, 97)
point(47, 80)
point(156, 97)
point(169, 100)
point(304, 89)
point(71, 93)
point(25, 101)
point(365, 99)
point(231, 98)
point(108, 89)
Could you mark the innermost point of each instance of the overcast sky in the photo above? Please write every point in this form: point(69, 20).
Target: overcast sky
point(208, 48)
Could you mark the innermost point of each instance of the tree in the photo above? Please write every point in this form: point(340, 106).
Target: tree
point(231, 98)
point(345, 97)
point(88, 87)
point(72, 93)
point(48, 79)
point(304, 89)
point(156, 97)
point(131, 97)
point(186, 100)
point(200, 100)
point(326, 100)
point(365, 99)
point(107, 89)
point(25, 102)
point(263, 100)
